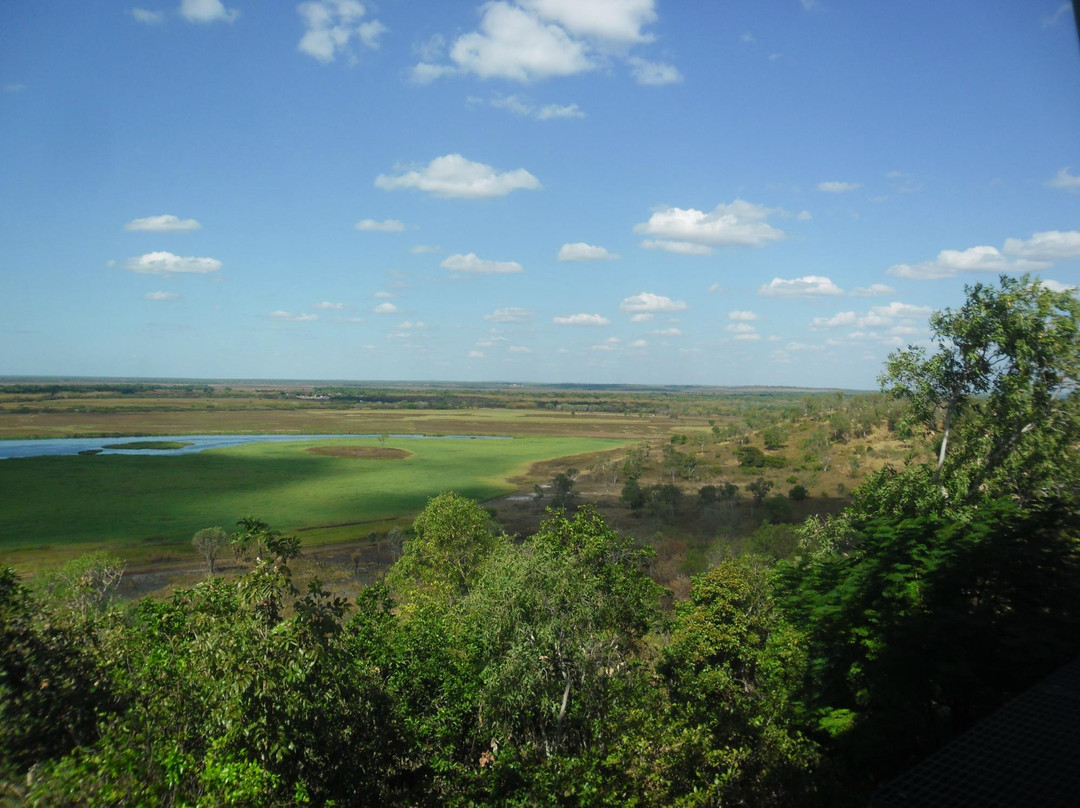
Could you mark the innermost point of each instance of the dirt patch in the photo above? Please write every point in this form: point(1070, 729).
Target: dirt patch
point(364, 452)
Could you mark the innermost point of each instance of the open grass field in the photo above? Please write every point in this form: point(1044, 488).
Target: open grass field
point(147, 508)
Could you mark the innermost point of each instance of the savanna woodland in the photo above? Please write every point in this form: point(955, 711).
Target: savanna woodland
point(803, 665)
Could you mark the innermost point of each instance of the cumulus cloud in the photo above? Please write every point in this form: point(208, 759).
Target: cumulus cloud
point(289, 317)
point(509, 315)
point(386, 308)
point(161, 296)
point(873, 290)
point(614, 20)
point(667, 332)
point(742, 316)
point(207, 11)
point(1057, 286)
point(653, 74)
point(330, 26)
point(695, 232)
point(580, 251)
point(530, 40)
point(892, 322)
point(642, 318)
point(470, 262)
point(740, 328)
point(806, 286)
point(165, 263)
point(804, 216)
point(581, 319)
point(1052, 245)
point(512, 44)
point(147, 17)
point(520, 349)
point(974, 259)
point(453, 176)
point(422, 249)
point(385, 226)
point(476, 354)
point(648, 302)
point(326, 305)
point(834, 187)
point(1065, 181)
point(166, 223)
point(680, 247)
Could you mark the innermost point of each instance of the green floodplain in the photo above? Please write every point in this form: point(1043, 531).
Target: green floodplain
point(333, 490)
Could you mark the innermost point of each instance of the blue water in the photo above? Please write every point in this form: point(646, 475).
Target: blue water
point(47, 447)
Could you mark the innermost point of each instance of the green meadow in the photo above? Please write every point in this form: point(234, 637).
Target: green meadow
point(148, 507)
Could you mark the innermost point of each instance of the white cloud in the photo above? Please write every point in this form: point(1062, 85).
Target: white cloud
point(386, 308)
point(14, 87)
point(688, 230)
point(838, 187)
point(614, 20)
point(667, 332)
point(680, 247)
point(581, 319)
point(165, 263)
point(148, 17)
point(653, 74)
point(470, 262)
point(207, 11)
point(638, 343)
point(648, 302)
point(384, 296)
point(580, 251)
point(901, 319)
point(642, 318)
point(1052, 245)
point(804, 216)
point(806, 286)
point(453, 176)
point(1065, 181)
point(740, 328)
point(519, 106)
point(513, 44)
point(331, 25)
point(421, 249)
point(974, 259)
point(1057, 286)
point(385, 226)
point(326, 305)
point(161, 296)
point(163, 224)
point(509, 315)
point(742, 316)
point(289, 317)
point(550, 112)
point(873, 290)
point(748, 337)
point(520, 349)
point(348, 319)
point(748, 38)
point(529, 40)
point(409, 325)
point(476, 354)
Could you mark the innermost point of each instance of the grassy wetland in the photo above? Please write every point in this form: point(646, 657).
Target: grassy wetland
point(339, 494)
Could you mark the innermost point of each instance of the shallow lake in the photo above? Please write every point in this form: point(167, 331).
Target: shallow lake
point(45, 447)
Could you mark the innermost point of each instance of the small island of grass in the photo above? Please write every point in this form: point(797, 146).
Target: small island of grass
point(150, 444)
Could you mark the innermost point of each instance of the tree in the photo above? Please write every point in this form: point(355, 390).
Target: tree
point(209, 541)
point(773, 437)
point(760, 488)
point(750, 457)
point(451, 537)
point(563, 488)
point(1007, 365)
point(733, 667)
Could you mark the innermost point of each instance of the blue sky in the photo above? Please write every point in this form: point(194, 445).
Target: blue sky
point(617, 191)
